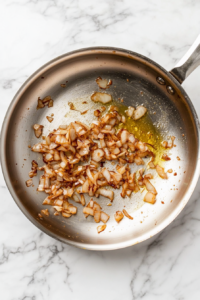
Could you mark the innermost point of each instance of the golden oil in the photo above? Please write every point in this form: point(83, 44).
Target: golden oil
point(144, 130)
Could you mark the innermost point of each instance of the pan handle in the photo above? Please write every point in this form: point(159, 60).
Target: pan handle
point(188, 63)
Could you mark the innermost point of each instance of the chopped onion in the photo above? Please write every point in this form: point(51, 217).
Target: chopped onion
point(72, 209)
point(161, 172)
point(123, 119)
point(101, 228)
point(149, 186)
point(46, 100)
point(106, 193)
point(96, 206)
point(63, 126)
point(97, 155)
point(138, 160)
point(121, 170)
point(150, 198)
point(97, 216)
point(90, 176)
point(130, 111)
point(106, 174)
point(33, 171)
point(72, 134)
point(88, 210)
point(66, 215)
point(82, 199)
point(141, 146)
point(76, 198)
point(38, 130)
point(118, 216)
point(151, 165)
point(104, 217)
point(103, 83)
point(101, 97)
point(45, 212)
point(50, 119)
point(139, 112)
point(124, 136)
point(40, 104)
point(58, 208)
point(131, 138)
point(85, 187)
point(68, 191)
point(169, 145)
point(165, 157)
point(127, 215)
point(50, 104)
point(29, 182)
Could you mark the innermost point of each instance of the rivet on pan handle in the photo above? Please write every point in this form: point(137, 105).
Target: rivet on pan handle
point(188, 63)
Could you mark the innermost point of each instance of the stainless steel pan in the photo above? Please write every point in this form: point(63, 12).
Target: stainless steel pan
point(169, 108)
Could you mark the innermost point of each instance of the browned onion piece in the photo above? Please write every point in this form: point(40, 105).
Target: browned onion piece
point(88, 210)
point(29, 182)
point(82, 199)
point(72, 209)
point(169, 145)
point(139, 112)
point(85, 187)
point(161, 172)
point(150, 198)
point(149, 186)
point(127, 215)
point(151, 165)
point(165, 157)
point(141, 146)
point(118, 216)
point(124, 136)
point(50, 119)
point(131, 138)
point(76, 198)
point(130, 111)
point(97, 216)
point(96, 206)
point(97, 155)
point(50, 104)
point(101, 97)
point(46, 100)
point(45, 212)
point(40, 104)
point(123, 119)
point(66, 215)
point(38, 130)
point(101, 228)
point(121, 170)
point(138, 160)
point(58, 208)
point(104, 217)
point(33, 171)
point(106, 193)
point(103, 83)
point(71, 105)
point(106, 174)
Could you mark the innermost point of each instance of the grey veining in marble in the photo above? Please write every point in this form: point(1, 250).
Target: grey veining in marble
point(33, 266)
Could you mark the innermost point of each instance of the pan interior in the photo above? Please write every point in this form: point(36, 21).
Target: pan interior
point(134, 80)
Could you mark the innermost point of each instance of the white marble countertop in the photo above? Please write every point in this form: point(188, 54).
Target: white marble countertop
point(33, 266)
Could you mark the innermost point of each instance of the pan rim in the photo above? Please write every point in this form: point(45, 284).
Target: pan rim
point(3, 138)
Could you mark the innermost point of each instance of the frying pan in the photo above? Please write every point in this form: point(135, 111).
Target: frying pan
point(169, 108)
